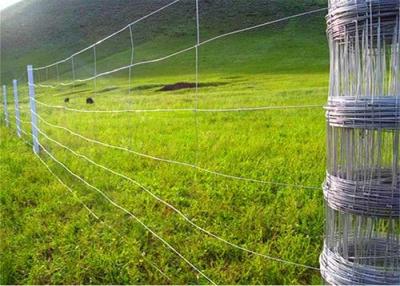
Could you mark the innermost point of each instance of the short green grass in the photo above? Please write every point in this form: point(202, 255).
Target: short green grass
point(47, 235)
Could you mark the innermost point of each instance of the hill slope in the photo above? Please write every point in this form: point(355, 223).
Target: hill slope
point(42, 31)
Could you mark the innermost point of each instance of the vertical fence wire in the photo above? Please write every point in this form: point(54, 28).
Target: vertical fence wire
point(196, 100)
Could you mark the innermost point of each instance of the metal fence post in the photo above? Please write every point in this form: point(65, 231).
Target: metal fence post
point(32, 105)
point(5, 106)
point(16, 102)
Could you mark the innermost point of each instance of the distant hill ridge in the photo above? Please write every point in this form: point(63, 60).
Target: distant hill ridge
point(42, 31)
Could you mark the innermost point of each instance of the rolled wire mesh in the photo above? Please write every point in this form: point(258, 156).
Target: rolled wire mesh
point(360, 249)
point(362, 187)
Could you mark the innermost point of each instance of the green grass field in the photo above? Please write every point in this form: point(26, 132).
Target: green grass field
point(48, 237)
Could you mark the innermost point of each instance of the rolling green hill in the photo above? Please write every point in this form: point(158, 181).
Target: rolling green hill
point(42, 31)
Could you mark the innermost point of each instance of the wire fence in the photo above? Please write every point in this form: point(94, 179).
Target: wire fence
point(81, 110)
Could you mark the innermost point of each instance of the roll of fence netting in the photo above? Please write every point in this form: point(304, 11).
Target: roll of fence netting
point(364, 42)
point(360, 250)
point(375, 193)
point(361, 112)
point(338, 270)
point(345, 18)
point(362, 185)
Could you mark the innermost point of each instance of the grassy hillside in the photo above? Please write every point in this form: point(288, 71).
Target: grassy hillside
point(42, 31)
point(47, 234)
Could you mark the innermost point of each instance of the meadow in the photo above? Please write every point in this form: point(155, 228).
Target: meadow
point(49, 237)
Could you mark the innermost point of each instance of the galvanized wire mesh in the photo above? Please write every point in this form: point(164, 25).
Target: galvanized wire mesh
point(362, 188)
point(360, 249)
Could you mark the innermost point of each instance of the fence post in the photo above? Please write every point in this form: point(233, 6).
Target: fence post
point(32, 105)
point(5, 106)
point(16, 102)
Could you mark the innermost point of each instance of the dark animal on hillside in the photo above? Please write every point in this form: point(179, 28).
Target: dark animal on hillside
point(66, 100)
point(89, 100)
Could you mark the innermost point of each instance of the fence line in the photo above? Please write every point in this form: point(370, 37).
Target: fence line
point(45, 85)
point(23, 131)
point(196, 91)
point(21, 121)
point(132, 59)
point(201, 92)
point(239, 109)
point(160, 59)
point(173, 161)
point(127, 212)
point(174, 208)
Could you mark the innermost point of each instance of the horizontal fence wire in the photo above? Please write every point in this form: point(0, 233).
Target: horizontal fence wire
point(172, 207)
point(92, 213)
point(23, 139)
point(146, 62)
point(239, 109)
point(203, 92)
point(173, 161)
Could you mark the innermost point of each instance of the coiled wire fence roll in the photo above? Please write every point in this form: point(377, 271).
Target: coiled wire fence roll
point(360, 250)
point(362, 187)
point(344, 271)
point(373, 192)
point(352, 112)
point(379, 197)
point(347, 17)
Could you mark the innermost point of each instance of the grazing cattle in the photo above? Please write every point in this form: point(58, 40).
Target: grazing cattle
point(89, 100)
point(66, 100)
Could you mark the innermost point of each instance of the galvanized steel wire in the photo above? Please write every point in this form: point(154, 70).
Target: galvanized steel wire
point(345, 272)
point(374, 199)
point(362, 187)
point(352, 112)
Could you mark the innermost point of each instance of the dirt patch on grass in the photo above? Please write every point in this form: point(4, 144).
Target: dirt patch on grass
point(146, 87)
point(188, 85)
